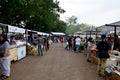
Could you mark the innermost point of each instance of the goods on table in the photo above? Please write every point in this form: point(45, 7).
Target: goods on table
point(112, 73)
point(110, 51)
point(32, 50)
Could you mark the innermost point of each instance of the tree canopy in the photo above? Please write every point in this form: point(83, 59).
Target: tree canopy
point(40, 15)
point(73, 26)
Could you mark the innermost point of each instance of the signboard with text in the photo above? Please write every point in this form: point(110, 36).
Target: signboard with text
point(15, 29)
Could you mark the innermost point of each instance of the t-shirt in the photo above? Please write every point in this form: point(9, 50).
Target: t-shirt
point(77, 41)
point(103, 48)
point(3, 47)
point(40, 41)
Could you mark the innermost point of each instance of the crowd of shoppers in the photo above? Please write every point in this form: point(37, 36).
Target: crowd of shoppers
point(100, 50)
point(73, 43)
point(41, 42)
point(95, 48)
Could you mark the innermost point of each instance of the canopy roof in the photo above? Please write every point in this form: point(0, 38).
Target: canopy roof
point(58, 33)
point(110, 28)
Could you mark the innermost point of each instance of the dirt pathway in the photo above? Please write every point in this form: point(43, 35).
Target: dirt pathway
point(56, 64)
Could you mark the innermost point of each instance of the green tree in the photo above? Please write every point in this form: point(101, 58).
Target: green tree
point(73, 26)
point(40, 15)
point(72, 20)
point(60, 26)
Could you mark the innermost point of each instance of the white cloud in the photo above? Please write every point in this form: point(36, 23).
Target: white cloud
point(96, 12)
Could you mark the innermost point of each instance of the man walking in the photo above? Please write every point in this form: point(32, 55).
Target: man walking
point(102, 48)
point(40, 43)
point(77, 43)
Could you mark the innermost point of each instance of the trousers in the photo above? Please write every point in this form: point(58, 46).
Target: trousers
point(101, 65)
point(5, 66)
point(40, 52)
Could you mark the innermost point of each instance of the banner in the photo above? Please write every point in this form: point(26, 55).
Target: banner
point(15, 29)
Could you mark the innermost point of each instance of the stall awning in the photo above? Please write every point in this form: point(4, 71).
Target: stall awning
point(40, 33)
point(110, 28)
point(58, 33)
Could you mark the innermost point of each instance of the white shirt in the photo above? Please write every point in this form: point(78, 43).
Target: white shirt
point(77, 41)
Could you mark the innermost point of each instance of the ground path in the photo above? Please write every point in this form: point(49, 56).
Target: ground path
point(56, 64)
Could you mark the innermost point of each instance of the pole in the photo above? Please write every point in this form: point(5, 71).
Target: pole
point(96, 34)
point(115, 31)
point(90, 33)
point(114, 34)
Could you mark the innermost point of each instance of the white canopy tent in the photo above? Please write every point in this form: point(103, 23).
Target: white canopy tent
point(58, 33)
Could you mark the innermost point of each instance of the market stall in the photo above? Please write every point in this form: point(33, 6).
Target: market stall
point(17, 42)
point(32, 48)
point(58, 36)
point(18, 38)
point(112, 70)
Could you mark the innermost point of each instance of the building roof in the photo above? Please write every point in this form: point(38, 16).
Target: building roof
point(108, 29)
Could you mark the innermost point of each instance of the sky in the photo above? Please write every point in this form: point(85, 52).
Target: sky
point(93, 12)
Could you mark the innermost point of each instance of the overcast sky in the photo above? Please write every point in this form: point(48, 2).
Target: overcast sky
point(94, 12)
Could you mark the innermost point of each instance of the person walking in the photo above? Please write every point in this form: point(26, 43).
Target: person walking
point(102, 48)
point(40, 43)
point(77, 43)
point(4, 57)
point(89, 44)
point(45, 43)
point(70, 43)
point(67, 44)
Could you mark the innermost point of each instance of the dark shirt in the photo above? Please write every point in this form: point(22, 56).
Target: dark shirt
point(103, 48)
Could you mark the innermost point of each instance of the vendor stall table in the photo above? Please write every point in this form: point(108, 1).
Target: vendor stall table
point(13, 54)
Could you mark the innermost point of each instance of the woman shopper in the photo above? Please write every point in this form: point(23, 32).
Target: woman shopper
point(4, 57)
point(93, 48)
point(89, 44)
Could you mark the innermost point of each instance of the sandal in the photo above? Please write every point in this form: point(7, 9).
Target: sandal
point(4, 77)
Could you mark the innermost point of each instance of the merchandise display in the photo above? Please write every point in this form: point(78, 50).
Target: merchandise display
point(112, 70)
point(32, 50)
point(16, 38)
